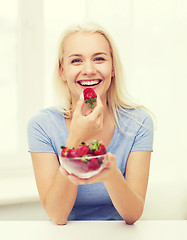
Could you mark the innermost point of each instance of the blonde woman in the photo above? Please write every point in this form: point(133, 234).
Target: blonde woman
point(87, 57)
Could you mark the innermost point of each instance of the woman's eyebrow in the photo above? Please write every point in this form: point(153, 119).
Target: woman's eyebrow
point(75, 55)
point(99, 53)
point(80, 55)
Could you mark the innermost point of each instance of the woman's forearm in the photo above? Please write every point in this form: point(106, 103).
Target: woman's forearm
point(61, 196)
point(60, 199)
point(126, 201)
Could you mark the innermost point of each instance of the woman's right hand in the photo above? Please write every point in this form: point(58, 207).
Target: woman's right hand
point(84, 127)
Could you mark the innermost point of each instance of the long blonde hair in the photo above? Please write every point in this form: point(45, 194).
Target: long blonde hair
point(118, 98)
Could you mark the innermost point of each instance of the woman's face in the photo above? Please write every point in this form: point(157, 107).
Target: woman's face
point(87, 62)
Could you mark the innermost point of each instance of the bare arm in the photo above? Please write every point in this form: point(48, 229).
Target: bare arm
point(57, 193)
point(128, 195)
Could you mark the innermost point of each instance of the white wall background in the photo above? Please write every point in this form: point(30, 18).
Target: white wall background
point(151, 36)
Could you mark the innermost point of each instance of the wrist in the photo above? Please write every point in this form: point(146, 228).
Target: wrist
point(72, 141)
point(115, 174)
point(65, 175)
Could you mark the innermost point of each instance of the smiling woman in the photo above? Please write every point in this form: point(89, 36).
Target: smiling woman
point(87, 58)
point(96, 58)
point(84, 65)
point(103, 55)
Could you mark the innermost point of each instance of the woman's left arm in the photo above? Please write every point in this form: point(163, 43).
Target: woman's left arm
point(128, 194)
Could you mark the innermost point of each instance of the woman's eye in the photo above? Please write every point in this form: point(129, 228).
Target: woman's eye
point(75, 61)
point(99, 59)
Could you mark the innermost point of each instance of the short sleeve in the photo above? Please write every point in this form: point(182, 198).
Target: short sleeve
point(144, 137)
point(38, 133)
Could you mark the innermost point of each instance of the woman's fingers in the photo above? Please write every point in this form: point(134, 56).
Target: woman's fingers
point(79, 105)
point(93, 118)
point(99, 121)
point(99, 107)
point(96, 115)
point(63, 171)
point(93, 113)
point(109, 164)
point(110, 158)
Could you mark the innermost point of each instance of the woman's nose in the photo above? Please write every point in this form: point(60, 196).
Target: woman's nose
point(88, 69)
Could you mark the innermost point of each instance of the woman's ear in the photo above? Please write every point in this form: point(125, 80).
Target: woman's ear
point(113, 73)
point(61, 72)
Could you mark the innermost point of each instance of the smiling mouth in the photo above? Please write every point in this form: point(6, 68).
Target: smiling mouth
point(89, 83)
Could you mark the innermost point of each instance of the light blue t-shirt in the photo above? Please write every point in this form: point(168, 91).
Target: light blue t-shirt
point(47, 131)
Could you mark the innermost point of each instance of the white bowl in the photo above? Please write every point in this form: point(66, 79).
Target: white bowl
point(83, 167)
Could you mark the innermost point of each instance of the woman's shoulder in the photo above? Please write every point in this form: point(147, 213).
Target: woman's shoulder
point(139, 116)
point(46, 115)
point(139, 113)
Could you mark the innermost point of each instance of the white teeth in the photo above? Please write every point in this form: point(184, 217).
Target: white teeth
point(89, 83)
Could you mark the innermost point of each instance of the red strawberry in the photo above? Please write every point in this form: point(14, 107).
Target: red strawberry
point(93, 164)
point(101, 150)
point(83, 150)
point(72, 153)
point(64, 151)
point(89, 96)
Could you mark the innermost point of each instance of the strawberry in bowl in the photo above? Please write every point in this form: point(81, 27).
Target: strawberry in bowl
point(85, 161)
